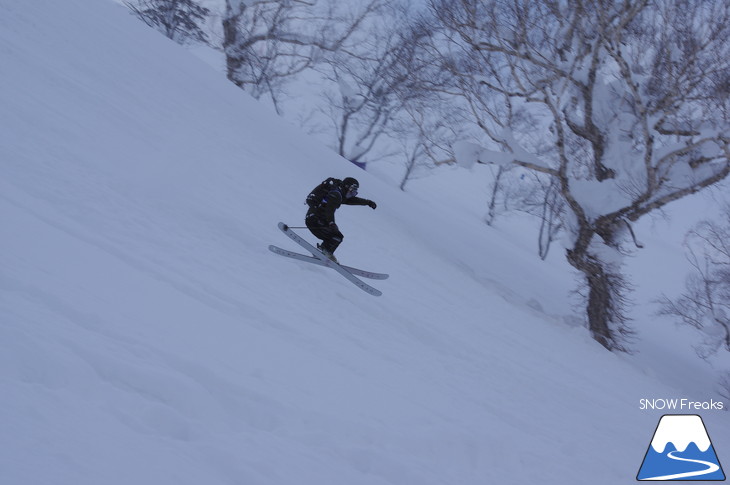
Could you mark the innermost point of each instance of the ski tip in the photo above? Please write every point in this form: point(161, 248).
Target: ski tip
point(283, 226)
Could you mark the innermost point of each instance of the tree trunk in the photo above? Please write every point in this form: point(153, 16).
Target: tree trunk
point(496, 186)
point(605, 299)
point(230, 41)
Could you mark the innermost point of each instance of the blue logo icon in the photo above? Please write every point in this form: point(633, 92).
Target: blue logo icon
point(681, 450)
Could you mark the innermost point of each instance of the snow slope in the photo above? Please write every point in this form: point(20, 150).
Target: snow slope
point(147, 335)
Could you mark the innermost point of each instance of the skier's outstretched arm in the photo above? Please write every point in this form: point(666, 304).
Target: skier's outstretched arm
point(360, 201)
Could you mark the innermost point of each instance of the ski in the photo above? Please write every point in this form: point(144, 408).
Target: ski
point(315, 260)
point(329, 263)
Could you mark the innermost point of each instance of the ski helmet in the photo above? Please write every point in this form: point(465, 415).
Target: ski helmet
point(350, 186)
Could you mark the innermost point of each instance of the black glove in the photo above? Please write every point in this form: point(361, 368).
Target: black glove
point(372, 204)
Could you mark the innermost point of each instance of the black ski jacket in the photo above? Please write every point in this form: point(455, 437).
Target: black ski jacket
point(324, 213)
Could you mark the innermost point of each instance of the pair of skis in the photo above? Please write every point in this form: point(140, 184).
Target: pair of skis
point(320, 259)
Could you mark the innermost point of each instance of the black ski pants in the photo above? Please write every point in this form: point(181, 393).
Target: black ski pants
point(329, 233)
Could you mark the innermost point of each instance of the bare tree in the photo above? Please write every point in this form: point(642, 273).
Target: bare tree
point(543, 201)
point(426, 139)
point(626, 102)
point(428, 124)
point(705, 303)
point(179, 20)
point(494, 193)
point(268, 41)
point(373, 82)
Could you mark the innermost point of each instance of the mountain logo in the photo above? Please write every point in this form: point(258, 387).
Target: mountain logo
point(681, 450)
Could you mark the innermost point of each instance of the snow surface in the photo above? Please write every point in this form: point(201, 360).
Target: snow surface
point(148, 336)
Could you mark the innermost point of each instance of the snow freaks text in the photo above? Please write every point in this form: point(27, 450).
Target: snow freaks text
point(680, 405)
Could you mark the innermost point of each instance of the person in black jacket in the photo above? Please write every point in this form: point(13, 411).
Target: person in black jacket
point(320, 219)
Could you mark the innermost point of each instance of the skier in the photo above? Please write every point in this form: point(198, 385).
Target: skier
point(323, 201)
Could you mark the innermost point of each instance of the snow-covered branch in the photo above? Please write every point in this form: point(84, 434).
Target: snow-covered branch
point(626, 104)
